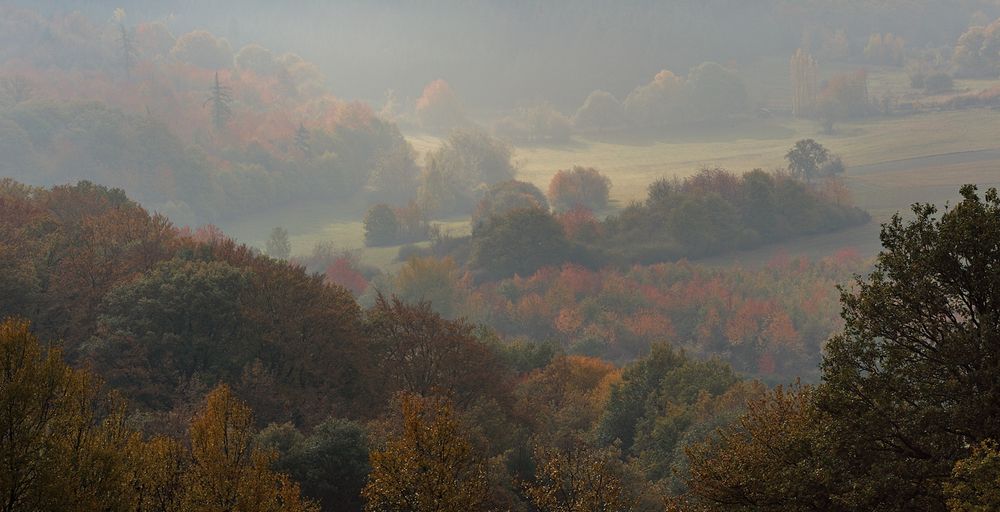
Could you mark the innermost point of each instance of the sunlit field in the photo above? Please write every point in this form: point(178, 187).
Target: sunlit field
point(633, 162)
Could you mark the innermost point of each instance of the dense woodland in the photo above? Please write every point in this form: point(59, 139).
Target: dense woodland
point(349, 397)
point(569, 354)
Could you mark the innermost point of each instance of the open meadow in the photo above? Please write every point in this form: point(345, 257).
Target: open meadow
point(892, 162)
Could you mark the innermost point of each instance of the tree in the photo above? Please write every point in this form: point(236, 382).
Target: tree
point(180, 321)
point(331, 463)
point(381, 226)
point(600, 112)
point(228, 471)
point(975, 480)
point(127, 49)
point(714, 93)
point(439, 109)
point(579, 187)
point(536, 123)
point(520, 242)
point(805, 159)
point(911, 381)
point(467, 161)
point(220, 99)
point(17, 88)
point(302, 139)
point(505, 197)
point(770, 459)
point(429, 466)
point(201, 48)
point(423, 353)
point(38, 392)
point(437, 281)
point(804, 89)
point(579, 478)
point(657, 103)
point(278, 245)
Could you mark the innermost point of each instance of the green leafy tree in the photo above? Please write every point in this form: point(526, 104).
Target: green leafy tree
point(180, 321)
point(381, 226)
point(331, 463)
point(505, 197)
point(912, 379)
point(806, 158)
point(520, 243)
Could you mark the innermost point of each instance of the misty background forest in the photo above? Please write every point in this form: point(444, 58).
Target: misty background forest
point(517, 256)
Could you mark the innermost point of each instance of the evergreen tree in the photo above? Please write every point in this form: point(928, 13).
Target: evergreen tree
point(220, 99)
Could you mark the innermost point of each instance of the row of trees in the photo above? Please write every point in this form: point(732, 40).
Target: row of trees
point(710, 94)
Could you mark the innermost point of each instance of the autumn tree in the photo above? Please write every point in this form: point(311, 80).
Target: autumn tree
point(580, 478)
point(201, 48)
point(17, 88)
point(228, 471)
point(439, 108)
point(436, 281)
point(535, 124)
point(421, 352)
point(278, 244)
point(975, 481)
point(770, 459)
point(885, 49)
point(657, 103)
point(39, 418)
point(580, 186)
point(430, 465)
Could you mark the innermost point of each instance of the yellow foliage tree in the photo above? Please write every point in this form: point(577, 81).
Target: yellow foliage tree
point(579, 478)
point(430, 466)
point(228, 472)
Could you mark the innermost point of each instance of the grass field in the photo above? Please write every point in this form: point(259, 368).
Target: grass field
point(633, 162)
